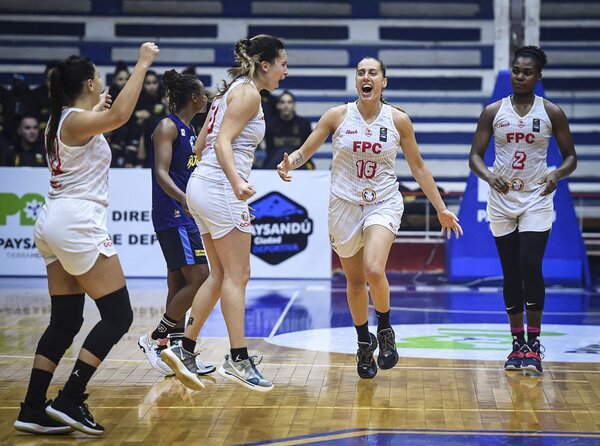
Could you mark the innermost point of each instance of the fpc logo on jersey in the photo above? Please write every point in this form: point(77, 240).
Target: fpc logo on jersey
point(280, 229)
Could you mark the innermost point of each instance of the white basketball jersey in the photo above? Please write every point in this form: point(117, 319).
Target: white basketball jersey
point(521, 145)
point(243, 147)
point(363, 169)
point(82, 171)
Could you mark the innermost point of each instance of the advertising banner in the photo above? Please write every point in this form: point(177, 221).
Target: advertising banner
point(290, 238)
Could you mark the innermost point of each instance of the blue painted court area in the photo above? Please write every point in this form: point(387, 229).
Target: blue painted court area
point(409, 437)
point(430, 320)
point(279, 307)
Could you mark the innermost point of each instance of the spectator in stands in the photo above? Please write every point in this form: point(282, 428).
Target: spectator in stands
point(150, 104)
point(119, 79)
point(41, 96)
point(268, 104)
point(520, 204)
point(145, 144)
point(286, 132)
point(28, 149)
point(365, 206)
point(71, 235)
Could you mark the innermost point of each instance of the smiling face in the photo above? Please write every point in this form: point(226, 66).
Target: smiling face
point(370, 80)
point(524, 75)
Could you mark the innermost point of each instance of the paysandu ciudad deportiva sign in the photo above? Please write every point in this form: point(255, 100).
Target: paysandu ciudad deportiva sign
point(297, 211)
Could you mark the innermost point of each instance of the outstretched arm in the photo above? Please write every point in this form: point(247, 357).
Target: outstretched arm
point(422, 174)
point(330, 120)
point(80, 127)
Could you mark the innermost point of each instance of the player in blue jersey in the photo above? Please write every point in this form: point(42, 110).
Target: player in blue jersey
point(172, 161)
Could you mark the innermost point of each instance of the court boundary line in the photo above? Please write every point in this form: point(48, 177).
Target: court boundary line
point(350, 433)
point(284, 314)
point(499, 368)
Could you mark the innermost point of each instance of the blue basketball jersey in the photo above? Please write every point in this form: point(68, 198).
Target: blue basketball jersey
point(167, 212)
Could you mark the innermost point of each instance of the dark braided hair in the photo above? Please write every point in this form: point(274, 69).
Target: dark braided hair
point(181, 88)
point(66, 83)
point(533, 52)
point(249, 53)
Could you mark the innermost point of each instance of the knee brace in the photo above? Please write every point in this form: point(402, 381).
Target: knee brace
point(117, 316)
point(66, 319)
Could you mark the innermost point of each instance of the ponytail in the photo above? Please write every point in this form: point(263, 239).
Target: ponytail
point(181, 88)
point(56, 105)
point(66, 83)
point(248, 54)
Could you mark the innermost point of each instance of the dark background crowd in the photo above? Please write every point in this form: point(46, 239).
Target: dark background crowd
point(24, 113)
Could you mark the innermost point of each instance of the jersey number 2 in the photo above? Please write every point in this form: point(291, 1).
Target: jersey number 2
point(519, 161)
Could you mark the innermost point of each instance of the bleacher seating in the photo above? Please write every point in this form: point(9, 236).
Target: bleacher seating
point(439, 55)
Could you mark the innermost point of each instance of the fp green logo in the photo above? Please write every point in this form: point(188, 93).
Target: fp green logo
point(463, 339)
point(28, 207)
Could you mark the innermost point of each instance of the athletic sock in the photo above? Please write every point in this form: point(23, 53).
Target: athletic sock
point(188, 344)
point(363, 332)
point(79, 378)
point(164, 327)
point(533, 333)
point(383, 320)
point(38, 387)
point(239, 354)
point(518, 333)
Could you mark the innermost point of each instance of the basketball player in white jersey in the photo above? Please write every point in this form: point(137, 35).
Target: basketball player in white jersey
point(520, 206)
point(71, 235)
point(217, 195)
point(365, 205)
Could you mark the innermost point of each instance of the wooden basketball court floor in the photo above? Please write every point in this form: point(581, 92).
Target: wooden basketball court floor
point(449, 387)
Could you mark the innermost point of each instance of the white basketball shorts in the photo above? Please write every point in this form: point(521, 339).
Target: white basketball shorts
point(347, 221)
point(73, 231)
point(215, 208)
point(525, 211)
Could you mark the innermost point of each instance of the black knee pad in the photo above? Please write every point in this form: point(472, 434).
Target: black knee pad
point(117, 316)
point(66, 319)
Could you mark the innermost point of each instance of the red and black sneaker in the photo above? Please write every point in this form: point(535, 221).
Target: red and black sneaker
point(532, 362)
point(515, 358)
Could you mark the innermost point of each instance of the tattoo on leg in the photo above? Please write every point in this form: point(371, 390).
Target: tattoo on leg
point(190, 321)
